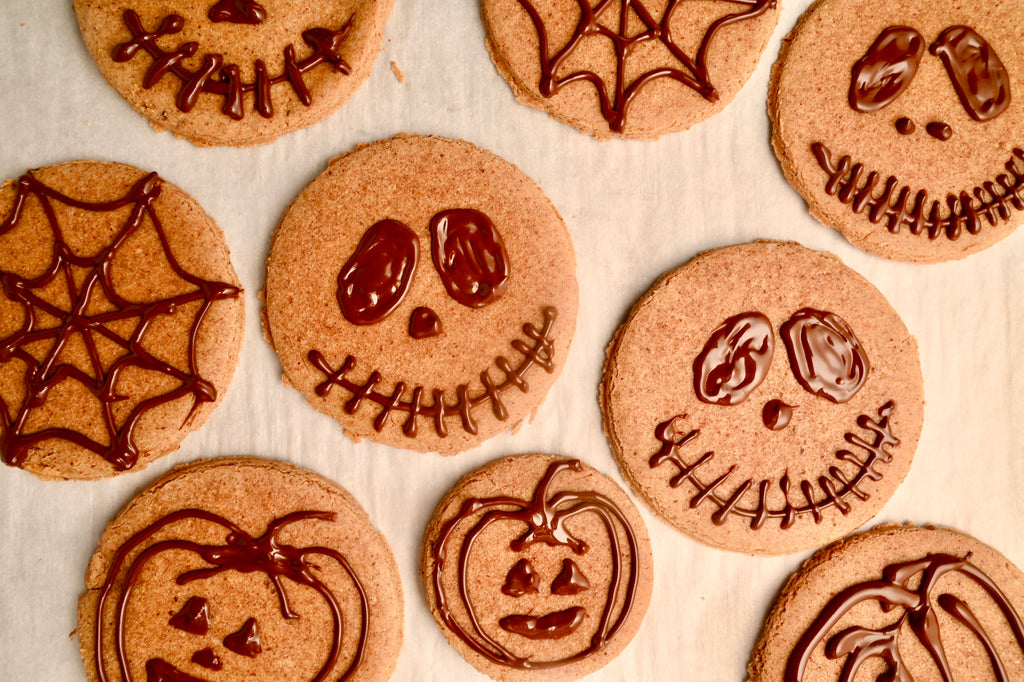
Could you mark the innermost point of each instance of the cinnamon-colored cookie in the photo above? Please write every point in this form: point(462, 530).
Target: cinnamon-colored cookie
point(635, 69)
point(902, 123)
point(763, 398)
point(241, 569)
point(121, 319)
point(537, 567)
point(234, 72)
point(897, 603)
point(422, 292)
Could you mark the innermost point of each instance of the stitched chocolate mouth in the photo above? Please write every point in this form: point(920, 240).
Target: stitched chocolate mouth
point(552, 626)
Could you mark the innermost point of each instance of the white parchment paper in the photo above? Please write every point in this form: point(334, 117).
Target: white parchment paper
point(635, 210)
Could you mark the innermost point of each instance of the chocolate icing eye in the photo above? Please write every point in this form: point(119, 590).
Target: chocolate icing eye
point(886, 69)
point(734, 360)
point(978, 75)
point(470, 256)
point(826, 357)
point(377, 275)
point(521, 579)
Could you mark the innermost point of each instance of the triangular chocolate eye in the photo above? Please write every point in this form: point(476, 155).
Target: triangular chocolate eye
point(570, 580)
point(521, 579)
point(246, 640)
point(886, 69)
point(194, 617)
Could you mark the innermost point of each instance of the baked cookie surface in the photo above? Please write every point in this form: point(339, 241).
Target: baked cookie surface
point(897, 602)
point(902, 124)
point(121, 319)
point(635, 69)
point(763, 398)
point(422, 292)
point(234, 72)
point(537, 567)
point(241, 569)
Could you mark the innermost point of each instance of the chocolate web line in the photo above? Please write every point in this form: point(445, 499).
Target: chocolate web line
point(992, 201)
point(758, 514)
point(325, 43)
point(540, 353)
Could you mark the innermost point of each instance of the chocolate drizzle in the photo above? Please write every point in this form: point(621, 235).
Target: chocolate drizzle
point(894, 591)
point(836, 487)
point(217, 78)
point(692, 72)
point(992, 202)
point(545, 517)
point(540, 353)
point(194, 617)
point(104, 382)
point(241, 552)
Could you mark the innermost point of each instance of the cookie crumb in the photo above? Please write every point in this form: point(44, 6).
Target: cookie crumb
point(399, 76)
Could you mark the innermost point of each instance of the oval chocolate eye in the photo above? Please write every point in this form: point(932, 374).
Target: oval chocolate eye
point(826, 357)
point(886, 69)
point(470, 256)
point(376, 276)
point(734, 360)
point(978, 75)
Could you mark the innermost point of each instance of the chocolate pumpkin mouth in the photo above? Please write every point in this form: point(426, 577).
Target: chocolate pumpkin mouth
point(554, 625)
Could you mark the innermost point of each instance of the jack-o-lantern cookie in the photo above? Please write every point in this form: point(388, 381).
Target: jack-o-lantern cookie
point(537, 567)
point(897, 603)
point(234, 72)
point(422, 292)
point(763, 398)
point(241, 569)
point(635, 68)
point(121, 319)
point(902, 123)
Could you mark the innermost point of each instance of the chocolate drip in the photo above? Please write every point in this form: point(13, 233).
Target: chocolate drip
point(41, 376)
point(939, 130)
point(905, 126)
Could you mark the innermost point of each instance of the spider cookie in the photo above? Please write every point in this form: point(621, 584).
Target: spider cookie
point(763, 398)
point(121, 319)
point(537, 567)
point(902, 124)
point(241, 569)
point(897, 603)
point(422, 292)
point(634, 69)
point(234, 72)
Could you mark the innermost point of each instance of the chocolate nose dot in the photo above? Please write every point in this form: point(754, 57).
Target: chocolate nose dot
point(776, 414)
point(424, 323)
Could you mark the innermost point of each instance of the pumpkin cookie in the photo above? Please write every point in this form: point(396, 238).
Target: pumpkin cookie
point(234, 72)
point(422, 292)
point(897, 603)
point(537, 567)
point(902, 124)
point(763, 398)
point(636, 68)
point(241, 568)
point(121, 319)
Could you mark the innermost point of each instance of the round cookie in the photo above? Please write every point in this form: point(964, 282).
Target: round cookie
point(537, 567)
point(631, 69)
point(234, 72)
point(901, 123)
point(901, 603)
point(121, 319)
point(422, 292)
point(241, 568)
point(763, 398)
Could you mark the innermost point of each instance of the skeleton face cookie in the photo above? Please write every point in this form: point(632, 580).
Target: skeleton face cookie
point(902, 128)
point(537, 567)
point(897, 603)
point(241, 568)
point(422, 292)
point(234, 72)
point(635, 68)
point(763, 398)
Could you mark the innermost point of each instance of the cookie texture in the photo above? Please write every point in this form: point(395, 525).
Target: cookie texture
point(121, 319)
point(901, 123)
point(634, 69)
point(901, 603)
point(537, 567)
point(241, 569)
point(234, 72)
point(422, 292)
point(763, 398)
